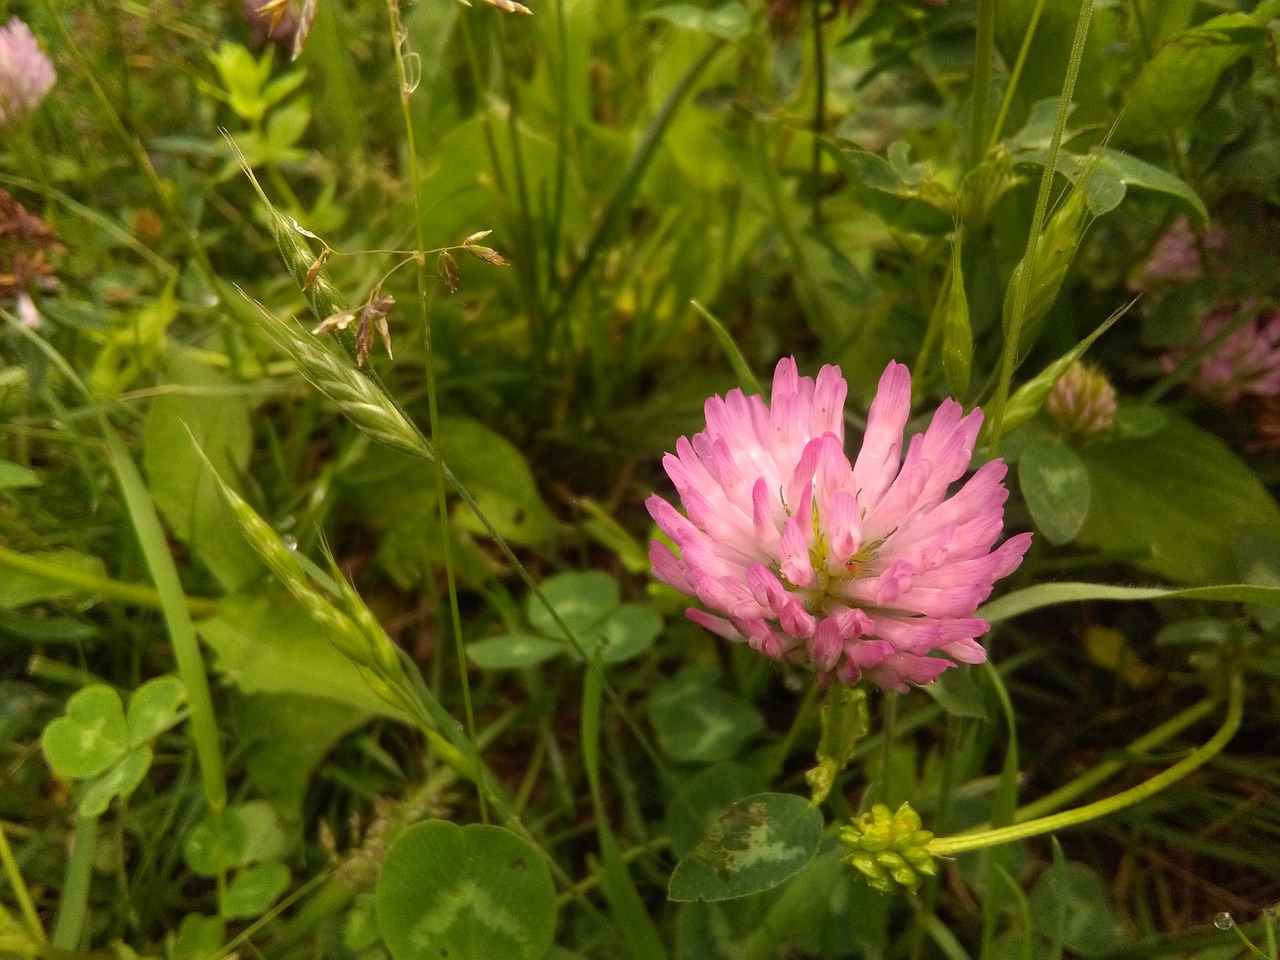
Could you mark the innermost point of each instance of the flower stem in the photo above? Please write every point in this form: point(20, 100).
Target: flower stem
point(946, 846)
point(35, 929)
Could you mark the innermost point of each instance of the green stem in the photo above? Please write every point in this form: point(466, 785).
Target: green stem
point(1013, 336)
point(1107, 769)
point(1015, 75)
point(433, 415)
point(35, 929)
point(102, 586)
point(819, 112)
point(983, 54)
point(73, 908)
point(948, 846)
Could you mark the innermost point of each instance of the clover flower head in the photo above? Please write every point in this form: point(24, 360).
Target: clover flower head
point(861, 569)
point(26, 74)
point(1245, 361)
point(1083, 401)
point(1178, 256)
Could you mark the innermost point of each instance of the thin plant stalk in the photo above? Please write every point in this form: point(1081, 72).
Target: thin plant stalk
point(819, 110)
point(433, 415)
point(1009, 355)
point(73, 904)
point(983, 54)
point(35, 929)
point(949, 846)
point(1015, 75)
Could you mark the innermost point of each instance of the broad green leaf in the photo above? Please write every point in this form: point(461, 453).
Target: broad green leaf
point(90, 737)
point(252, 891)
point(1055, 485)
point(479, 892)
point(19, 588)
point(697, 722)
point(284, 736)
point(757, 844)
point(199, 938)
point(14, 476)
point(513, 651)
point(729, 21)
point(251, 833)
point(628, 632)
point(184, 490)
point(1177, 83)
point(120, 781)
point(1132, 172)
point(154, 708)
point(904, 195)
point(700, 801)
point(271, 646)
point(492, 468)
point(1075, 896)
point(1176, 501)
point(582, 601)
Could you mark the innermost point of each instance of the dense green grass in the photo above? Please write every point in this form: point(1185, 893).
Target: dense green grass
point(382, 584)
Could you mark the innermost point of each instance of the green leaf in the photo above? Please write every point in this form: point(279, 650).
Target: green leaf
point(1178, 82)
point(757, 844)
point(184, 490)
point(251, 833)
point(120, 781)
point(199, 938)
point(495, 472)
point(582, 601)
point(154, 708)
point(699, 802)
point(1071, 902)
point(477, 892)
point(957, 334)
point(90, 737)
point(1050, 594)
point(253, 891)
point(1055, 484)
point(1132, 172)
point(729, 21)
point(697, 722)
point(19, 588)
point(267, 646)
point(1177, 500)
point(283, 736)
point(513, 651)
point(627, 633)
point(14, 476)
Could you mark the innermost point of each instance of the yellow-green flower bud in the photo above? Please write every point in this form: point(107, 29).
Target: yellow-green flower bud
point(889, 848)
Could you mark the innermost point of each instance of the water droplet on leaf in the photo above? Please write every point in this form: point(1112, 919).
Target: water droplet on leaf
point(290, 542)
point(1224, 921)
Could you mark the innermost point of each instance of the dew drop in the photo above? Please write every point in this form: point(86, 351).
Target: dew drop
point(290, 542)
point(1224, 921)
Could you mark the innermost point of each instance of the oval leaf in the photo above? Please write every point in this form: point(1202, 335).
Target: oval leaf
point(582, 600)
point(251, 833)
point(512, 651)
point(90, 737)
point(697, 722)
point(757, 844)
point(253, 891)
point(465, 893)
point(1055, 484)
point(154, 708)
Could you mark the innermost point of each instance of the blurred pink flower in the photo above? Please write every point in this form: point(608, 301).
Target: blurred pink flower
point(1178, 255)
point(1083, 401)
point(1247, 360)
point(860, 569)
point(26, 74)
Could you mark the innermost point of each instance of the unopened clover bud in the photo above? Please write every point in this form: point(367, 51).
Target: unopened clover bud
point(890, 849)
point(1083, 401)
